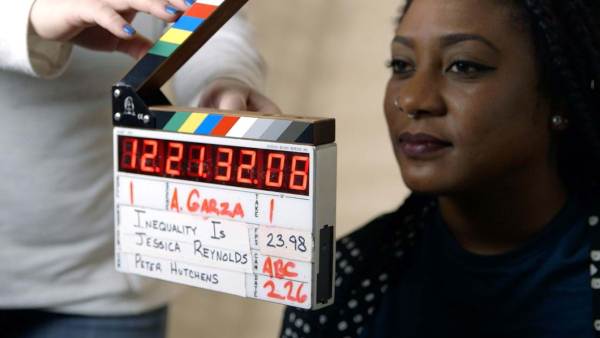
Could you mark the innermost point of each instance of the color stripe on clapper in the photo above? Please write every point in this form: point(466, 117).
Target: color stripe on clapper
point(174, 37)
point(184, 27)
point(264, 129)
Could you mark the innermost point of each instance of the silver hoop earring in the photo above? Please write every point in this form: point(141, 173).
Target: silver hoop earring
point(559, 122)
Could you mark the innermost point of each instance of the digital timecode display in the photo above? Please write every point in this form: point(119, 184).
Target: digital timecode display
point(262, 169)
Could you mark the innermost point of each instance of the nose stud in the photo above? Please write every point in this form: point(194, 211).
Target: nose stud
point(411, 115)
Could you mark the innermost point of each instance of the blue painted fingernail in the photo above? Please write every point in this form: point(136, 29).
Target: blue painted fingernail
point(129, 30)
point(170, 9)
point(189, 2)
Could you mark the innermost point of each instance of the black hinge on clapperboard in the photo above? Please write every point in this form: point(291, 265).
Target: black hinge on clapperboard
point(140, 88)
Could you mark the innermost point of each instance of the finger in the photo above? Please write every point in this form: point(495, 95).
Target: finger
point(103, 15)
point(129, 16)
point(136, 47)
point(183, 5)
point(231, 100)
point(260, 103)
point(161, 9)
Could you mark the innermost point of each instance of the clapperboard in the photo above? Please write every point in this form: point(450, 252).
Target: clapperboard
point(235, 202)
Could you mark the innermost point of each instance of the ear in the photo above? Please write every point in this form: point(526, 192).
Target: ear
point(560, 115)
point(559, 123)
point(554, 111)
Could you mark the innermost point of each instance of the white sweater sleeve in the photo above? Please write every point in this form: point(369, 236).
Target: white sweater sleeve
point(23, 51)
point(229, 53)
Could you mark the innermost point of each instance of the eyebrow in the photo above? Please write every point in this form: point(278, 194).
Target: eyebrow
point(452, 39)
point(404, 41)
point(448, 40)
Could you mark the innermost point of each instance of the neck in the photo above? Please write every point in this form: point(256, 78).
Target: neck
point(504, 216)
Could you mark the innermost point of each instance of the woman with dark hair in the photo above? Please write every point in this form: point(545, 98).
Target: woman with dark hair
point(493, 112)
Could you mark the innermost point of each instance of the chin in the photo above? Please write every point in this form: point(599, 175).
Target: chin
point(426, 182)
point(423, 187)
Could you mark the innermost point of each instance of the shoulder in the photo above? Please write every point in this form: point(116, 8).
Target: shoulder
point(367, 260)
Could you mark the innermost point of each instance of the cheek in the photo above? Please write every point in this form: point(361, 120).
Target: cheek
point(497, 113)
point(501, 136)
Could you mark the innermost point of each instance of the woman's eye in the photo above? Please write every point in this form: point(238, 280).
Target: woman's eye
point(468, 68)
point(399, 66)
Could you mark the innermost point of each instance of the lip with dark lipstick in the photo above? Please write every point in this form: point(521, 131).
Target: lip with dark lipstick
point(421, 145)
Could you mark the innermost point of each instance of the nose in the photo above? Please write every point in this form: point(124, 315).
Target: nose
point(419, 96)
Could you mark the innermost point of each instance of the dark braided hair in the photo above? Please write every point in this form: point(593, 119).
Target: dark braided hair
point(567, 43)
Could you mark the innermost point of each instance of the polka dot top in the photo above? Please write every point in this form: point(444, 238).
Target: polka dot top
point(367, 262)
point(372, 258)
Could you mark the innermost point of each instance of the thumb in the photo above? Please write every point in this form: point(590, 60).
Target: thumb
point(232, 100)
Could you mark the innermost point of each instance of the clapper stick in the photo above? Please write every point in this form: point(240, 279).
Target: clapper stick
point(140, 88)
point(139, 102)
point(179, 43)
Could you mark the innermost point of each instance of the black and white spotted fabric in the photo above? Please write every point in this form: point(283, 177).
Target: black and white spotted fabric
point(370, 259)
point(594, 223)
point(367, 261)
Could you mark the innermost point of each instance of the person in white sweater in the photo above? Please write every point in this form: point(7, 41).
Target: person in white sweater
point(57, 275)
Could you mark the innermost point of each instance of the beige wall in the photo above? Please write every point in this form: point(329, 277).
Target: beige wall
point(326, 58)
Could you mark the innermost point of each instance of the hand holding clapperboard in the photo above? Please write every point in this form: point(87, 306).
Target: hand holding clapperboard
point(236, 202)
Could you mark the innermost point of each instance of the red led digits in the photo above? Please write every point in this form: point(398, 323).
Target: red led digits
point(245, 173)
point(299, 176)
point(224, 161)
point(197, 164)
point(175, 154)
point(148, 162)
point(275, 164)
point(262, 169)
point(129, 153)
